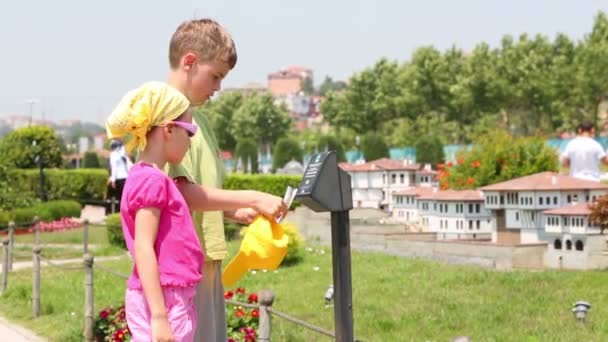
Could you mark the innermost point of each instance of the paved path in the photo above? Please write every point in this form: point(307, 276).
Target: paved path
point(10, 332)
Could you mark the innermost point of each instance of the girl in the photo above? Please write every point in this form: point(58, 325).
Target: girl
point(155, 218)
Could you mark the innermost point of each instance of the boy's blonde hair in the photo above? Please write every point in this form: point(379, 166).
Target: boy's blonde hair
point(204, 37)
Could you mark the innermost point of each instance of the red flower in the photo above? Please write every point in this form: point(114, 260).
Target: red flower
point(436, 178)
point(476, 164)
point(240, 290)
point(231, 340)
point(460, 161)
point(253, 298)
point(104, 314)
point(440, 166)
point(450, 164)
point(255, 313)
point(119, 335)
point(470, 181)
point(239, 313)
point(228, 294)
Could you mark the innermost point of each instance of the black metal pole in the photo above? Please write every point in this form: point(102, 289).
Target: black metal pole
point(343, 302)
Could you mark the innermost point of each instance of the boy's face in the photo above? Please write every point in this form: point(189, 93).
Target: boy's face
point(204, 79)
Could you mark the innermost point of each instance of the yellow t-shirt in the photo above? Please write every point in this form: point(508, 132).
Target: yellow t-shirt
point(202, 165)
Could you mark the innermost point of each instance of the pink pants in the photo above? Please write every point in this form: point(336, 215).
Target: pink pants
point(179, 302)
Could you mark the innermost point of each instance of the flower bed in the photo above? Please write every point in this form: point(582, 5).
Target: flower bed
point(242, 322)
point(60, 225)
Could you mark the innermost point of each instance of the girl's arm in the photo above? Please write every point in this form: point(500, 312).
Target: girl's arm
point(146, 229)
point(202, 198)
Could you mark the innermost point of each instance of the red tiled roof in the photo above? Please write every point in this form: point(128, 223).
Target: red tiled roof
point(572, 209)
point(417, 191)
point(454, 195)
point(383, 164)
point(545, 181)
point(426, 172)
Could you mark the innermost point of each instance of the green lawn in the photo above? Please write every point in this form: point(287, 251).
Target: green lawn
point(395, 299)
point(97, 235)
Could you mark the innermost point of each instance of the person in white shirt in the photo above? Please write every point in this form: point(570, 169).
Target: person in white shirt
point(119, 168)
point(583, 154)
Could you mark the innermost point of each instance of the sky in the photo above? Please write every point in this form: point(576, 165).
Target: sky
point(77, 58)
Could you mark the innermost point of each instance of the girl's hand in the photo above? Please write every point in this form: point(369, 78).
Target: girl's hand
point(161, 330)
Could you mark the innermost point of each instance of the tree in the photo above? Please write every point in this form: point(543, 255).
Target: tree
point(18, 150)
point(429, 150)
point(331, 143)
point(246, 152)
point(285, 150)
point(220, 112)
point(373, 147)
point(599, 213)
point(90, 160)
point(496, 157)
point(329, 85)
point(259, 119)
point(307, 86)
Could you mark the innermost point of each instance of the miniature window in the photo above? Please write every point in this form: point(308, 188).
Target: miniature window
point(540, 201)
point(402, 178)
point(557, 244)
point(579, 245)
point(568, 245)
point(555, 200)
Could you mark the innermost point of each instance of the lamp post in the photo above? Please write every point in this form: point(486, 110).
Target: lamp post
point(31, 102)
point(38, 160)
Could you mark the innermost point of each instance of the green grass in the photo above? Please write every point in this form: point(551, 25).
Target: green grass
point(24, 253)
point(394, 299)
point(97, 235)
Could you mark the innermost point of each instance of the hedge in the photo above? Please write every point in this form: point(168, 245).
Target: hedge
point(76, 184)
point(47, 211)
point(272, 184)
point(114, 231)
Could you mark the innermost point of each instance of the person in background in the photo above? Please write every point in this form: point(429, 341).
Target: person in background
point(584, 154)
point(119, 169)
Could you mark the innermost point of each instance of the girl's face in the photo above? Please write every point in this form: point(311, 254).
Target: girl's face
point(179, 133)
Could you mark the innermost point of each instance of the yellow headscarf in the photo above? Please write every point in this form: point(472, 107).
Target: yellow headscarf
point(152, 104)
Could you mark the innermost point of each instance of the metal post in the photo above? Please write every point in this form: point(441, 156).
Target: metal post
point(266, 299)
point(5, 264)
point(85, 238)
point(11, 243)
point(88, 298)
point(343, 307)
point(36, 283)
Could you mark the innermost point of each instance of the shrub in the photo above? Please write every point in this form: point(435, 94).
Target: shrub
point(246, 150)
point(599, 213)
point(429, 150)
point(91, 160)
point(46, 211)
point(17, 149)
point(242, 322)
point(285, 150)
point(497, 157)
point(331, 143)
point(373, 147)
point(111, 325)
point(77, 184)
point(295, 246)
point(114, 229)
point(272, 184)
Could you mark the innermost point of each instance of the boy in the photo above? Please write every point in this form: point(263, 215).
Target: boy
point(583, 154)
point(201, 54)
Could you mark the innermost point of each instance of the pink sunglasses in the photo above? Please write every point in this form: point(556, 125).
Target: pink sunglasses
point(190, 128)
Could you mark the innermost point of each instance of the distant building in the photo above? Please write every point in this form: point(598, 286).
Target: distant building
point(288, 81)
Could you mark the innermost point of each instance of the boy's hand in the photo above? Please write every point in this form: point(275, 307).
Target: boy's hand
point(269, 205)
point(161, 330)
point(245, 215)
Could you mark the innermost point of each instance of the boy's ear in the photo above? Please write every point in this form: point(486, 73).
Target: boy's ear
point(189, 60)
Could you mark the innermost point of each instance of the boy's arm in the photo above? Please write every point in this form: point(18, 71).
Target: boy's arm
point(146, 229)
point(242, 215)
point(202, 198)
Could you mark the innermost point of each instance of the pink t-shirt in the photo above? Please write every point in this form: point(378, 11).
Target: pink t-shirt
point(178, 250)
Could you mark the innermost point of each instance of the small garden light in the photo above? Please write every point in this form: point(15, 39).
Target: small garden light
point(329, 295)
point(580, 310)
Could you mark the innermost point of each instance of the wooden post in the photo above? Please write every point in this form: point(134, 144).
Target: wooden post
point(88, 298)
point(36, 231)
point(36, 285)
point(5, 264)
point(266, 298)
point(85, 238)
point(11, 243)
